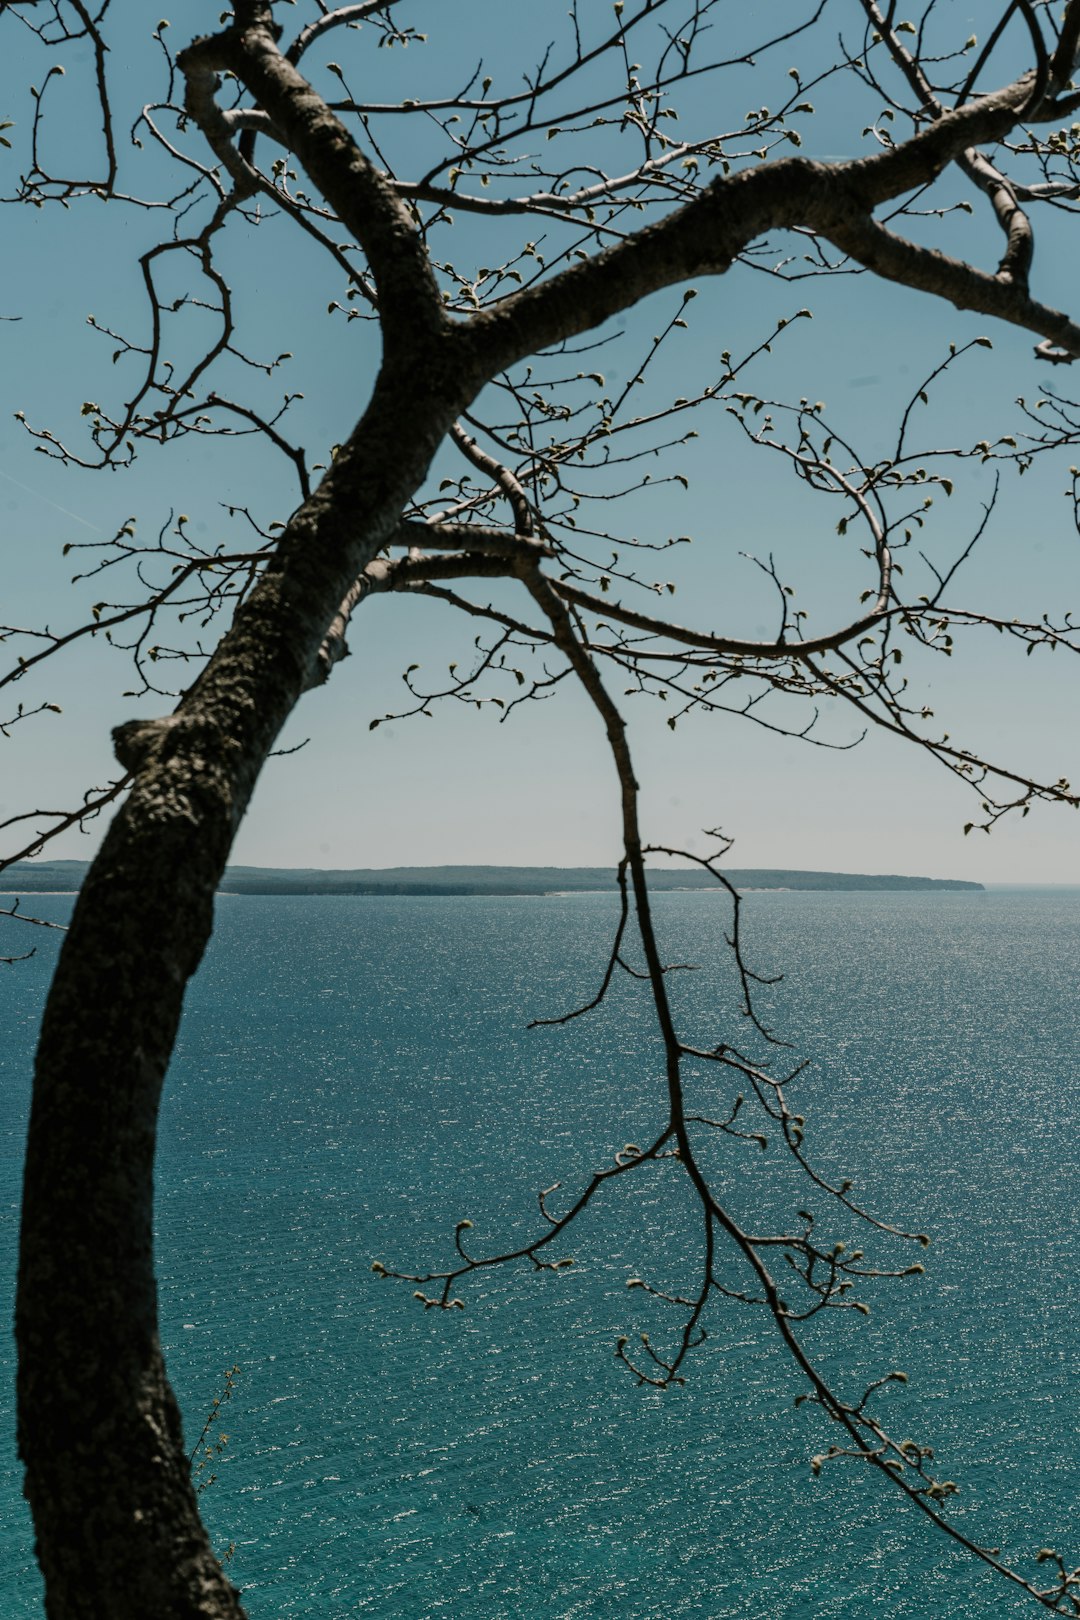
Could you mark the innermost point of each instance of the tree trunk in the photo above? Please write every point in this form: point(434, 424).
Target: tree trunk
point(118, 1531)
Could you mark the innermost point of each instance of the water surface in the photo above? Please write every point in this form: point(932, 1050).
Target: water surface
point(355, 1075)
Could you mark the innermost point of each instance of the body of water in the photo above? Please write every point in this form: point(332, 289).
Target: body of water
point(356, 1075)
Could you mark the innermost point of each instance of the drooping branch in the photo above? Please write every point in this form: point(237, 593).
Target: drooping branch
point(828, 1273)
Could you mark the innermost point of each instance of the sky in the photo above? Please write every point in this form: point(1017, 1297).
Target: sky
point(539, 789)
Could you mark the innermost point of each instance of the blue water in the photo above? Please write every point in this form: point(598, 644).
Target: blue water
point(355, 1075)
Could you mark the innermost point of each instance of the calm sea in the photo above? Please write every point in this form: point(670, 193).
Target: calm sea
point(356, 1075)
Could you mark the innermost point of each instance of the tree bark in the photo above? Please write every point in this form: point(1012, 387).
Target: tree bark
point(107, 1476)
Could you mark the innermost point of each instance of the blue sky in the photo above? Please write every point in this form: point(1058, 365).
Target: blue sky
point(539, 789)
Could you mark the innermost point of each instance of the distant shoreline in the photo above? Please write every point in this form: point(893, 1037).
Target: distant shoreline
point(65, 877)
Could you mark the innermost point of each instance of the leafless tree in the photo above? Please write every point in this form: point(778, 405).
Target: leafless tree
point(597, 177)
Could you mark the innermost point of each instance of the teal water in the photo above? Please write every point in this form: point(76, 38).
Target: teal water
point(354, 1076)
